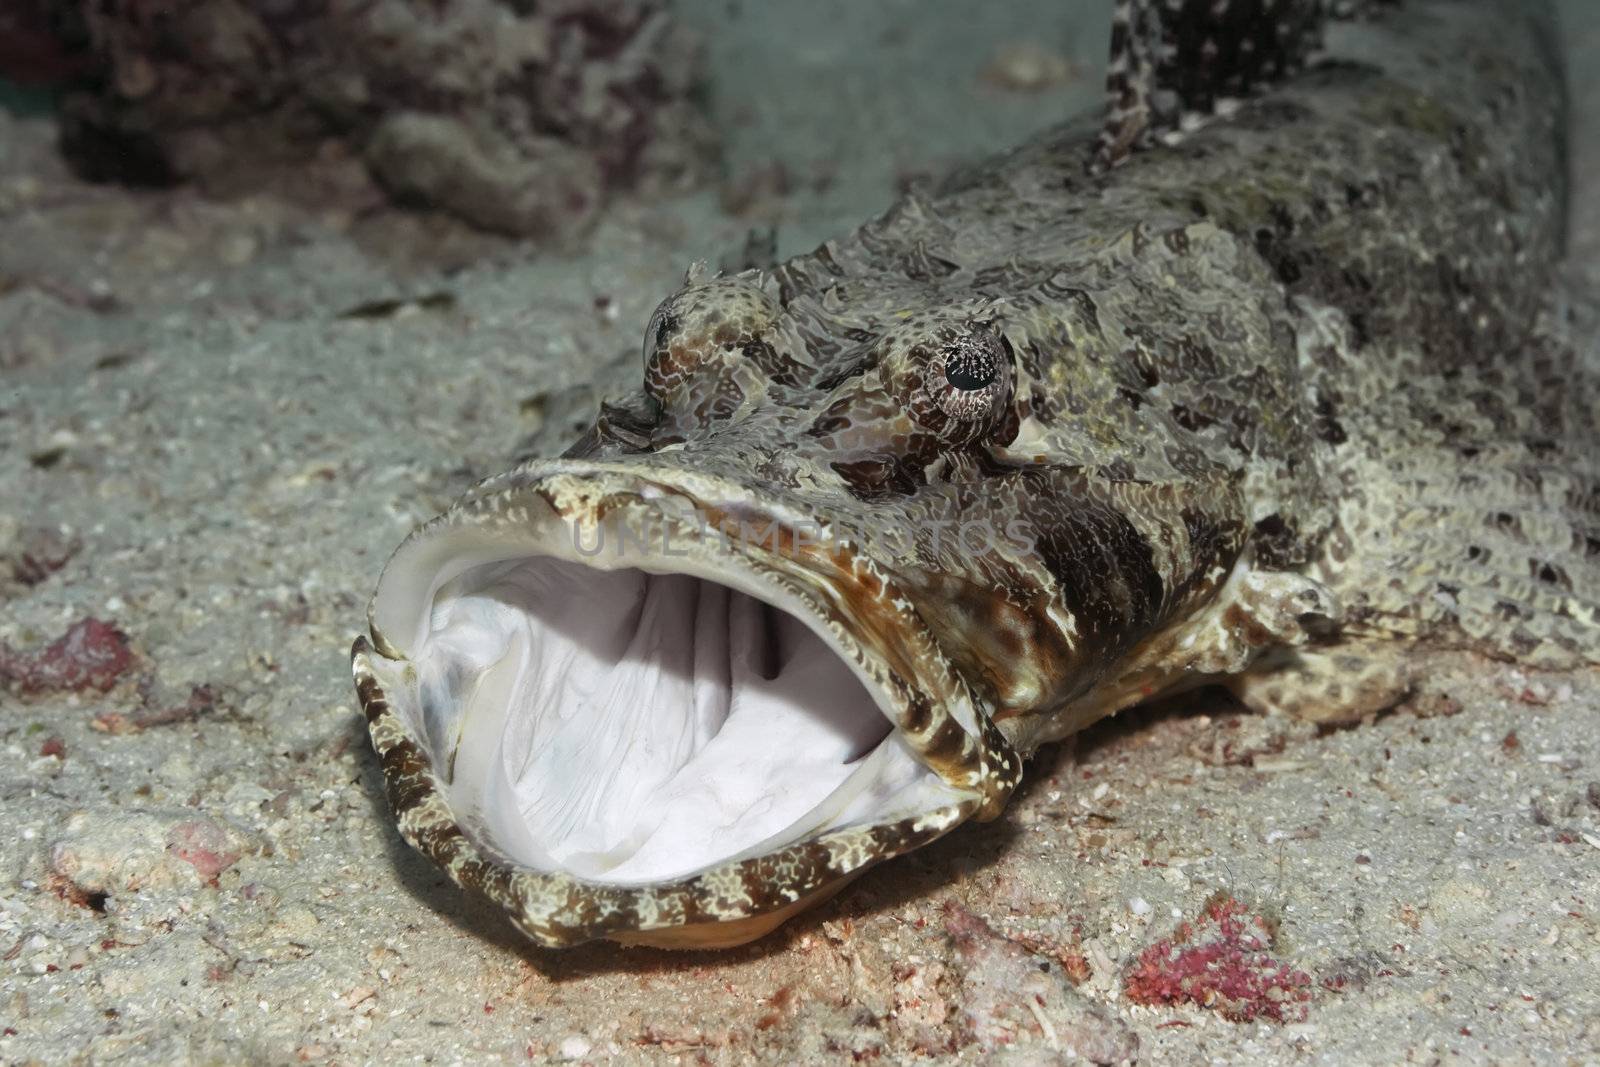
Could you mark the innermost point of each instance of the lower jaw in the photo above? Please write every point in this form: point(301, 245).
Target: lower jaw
point(715, 935)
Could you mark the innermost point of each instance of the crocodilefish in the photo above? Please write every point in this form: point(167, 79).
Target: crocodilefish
point(1262, 377)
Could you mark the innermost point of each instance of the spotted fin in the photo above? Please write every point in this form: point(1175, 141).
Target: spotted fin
point(1173, 59)
point(1334, 685)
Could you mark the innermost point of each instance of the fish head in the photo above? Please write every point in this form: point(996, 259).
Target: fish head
point(748, 637)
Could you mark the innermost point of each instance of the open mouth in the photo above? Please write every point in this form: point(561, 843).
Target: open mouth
point(627, 717)
point(625, 727)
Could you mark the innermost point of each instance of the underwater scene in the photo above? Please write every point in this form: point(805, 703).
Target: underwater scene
point(728, 531)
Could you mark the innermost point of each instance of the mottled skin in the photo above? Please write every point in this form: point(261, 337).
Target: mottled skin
point(1269, 399)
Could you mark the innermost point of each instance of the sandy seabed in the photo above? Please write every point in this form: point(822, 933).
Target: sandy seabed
point(199, 445)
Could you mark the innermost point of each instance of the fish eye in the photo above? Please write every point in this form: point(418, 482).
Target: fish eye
point(926, 387)
point(966, 379)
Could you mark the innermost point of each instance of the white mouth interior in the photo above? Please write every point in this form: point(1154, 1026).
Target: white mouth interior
point(628, 727)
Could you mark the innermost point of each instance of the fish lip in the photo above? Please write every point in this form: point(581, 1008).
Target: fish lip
point(873, 628)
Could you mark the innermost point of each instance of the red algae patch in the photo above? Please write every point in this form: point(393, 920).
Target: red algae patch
point(92, 654)
point(1223, 961)
point(203, 845)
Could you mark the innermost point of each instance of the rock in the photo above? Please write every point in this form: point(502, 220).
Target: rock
point(545, 189)
point(100, 855)
point(515, 117)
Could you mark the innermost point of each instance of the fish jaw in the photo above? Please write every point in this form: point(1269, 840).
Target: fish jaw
point(552, 739)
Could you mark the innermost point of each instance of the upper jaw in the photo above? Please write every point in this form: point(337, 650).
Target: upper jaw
point(712, 528)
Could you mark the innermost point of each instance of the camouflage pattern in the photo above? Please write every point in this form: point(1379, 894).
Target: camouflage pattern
point(1279, 393)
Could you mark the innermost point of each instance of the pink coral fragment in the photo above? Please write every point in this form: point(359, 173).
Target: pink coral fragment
point(203, 845)
point(92, 654)
point(1221, 961)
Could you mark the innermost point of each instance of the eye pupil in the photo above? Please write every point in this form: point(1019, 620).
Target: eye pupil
point(970, 368)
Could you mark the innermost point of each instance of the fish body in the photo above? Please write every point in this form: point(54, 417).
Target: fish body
point(1259, 396)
